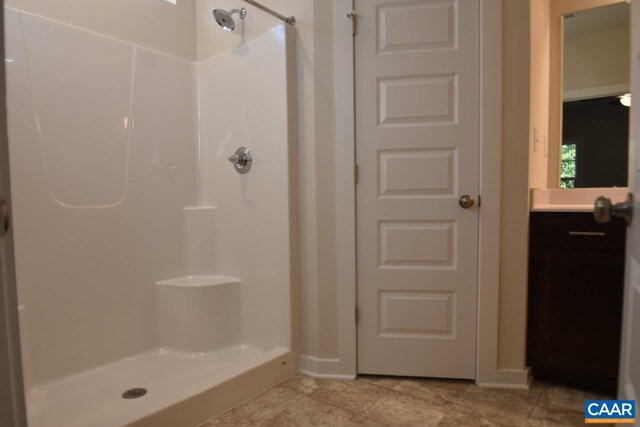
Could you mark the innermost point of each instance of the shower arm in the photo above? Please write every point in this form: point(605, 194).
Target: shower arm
point(291, 20)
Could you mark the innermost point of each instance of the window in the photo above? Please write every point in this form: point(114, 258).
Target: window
point(568, 165)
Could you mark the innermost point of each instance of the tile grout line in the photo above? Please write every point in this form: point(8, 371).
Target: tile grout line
point(447, 407)
point(388, 390)
point(457, 394)
point(359, 413)
point(250, 400)
point(393, 391)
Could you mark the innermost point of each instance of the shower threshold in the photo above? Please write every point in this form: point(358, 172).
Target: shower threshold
point(182, 388)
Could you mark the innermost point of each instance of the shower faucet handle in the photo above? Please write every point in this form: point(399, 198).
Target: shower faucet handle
point(236, 160)
point(241, 160)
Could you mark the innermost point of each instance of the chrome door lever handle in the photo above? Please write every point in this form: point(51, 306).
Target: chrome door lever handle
point(604, 210)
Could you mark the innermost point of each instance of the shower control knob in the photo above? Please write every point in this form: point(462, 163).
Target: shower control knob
point(236, 160)
point(242, 160)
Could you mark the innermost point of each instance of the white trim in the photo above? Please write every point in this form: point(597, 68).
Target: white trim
point(516, 379)
point(344, 366)
point(327, 376)
point(345, 190)
point(626, 387)
point(490, 189)
point(596, 92)
point(12, 406)
point(316, 367)
point(505, 386)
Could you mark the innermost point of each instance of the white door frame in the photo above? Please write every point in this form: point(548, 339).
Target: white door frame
point(487, 372)
point(12, 404)
point(626, 388)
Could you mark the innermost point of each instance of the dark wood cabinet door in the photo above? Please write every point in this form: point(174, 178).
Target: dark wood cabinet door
point(575, 313)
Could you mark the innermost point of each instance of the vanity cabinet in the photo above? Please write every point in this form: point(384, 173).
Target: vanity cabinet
point(576, 280)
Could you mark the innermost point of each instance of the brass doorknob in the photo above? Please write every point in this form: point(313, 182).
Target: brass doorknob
point(603, 210)
point(466, 201)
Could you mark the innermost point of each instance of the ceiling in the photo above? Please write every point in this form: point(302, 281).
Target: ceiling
point(599, 19)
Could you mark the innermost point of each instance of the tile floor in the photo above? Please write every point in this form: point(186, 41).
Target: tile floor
point(384, 401)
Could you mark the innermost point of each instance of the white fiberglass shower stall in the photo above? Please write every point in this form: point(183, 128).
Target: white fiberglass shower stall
point(156, 283)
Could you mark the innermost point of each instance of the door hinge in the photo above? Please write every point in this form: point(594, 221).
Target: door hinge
point(5, 223)
point(354, 21)
point(357, 314)
point(356, 174)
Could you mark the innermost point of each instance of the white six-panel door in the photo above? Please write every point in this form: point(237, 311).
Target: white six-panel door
point(629, 382)
point(417, 133)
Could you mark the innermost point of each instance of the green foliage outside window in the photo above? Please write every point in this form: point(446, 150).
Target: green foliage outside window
point(568, 166)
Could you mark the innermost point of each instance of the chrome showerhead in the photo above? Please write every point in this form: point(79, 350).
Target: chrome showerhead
point(225, 19)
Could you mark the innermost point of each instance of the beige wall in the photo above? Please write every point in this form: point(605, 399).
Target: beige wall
point(514, 235)
point(326, 179)
point(598, 59)
point(155, 24)
point(539, 114)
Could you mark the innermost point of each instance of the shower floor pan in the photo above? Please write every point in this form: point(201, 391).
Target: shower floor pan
point(183, 389)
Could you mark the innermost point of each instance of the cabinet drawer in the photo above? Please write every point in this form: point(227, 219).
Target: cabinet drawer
point(567, 231)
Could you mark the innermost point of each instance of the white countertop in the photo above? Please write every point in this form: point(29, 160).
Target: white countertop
point(572, 200)
point(562, 208)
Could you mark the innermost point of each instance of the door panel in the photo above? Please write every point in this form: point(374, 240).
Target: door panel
point(566, 342)
point(417, 133)
point(629, 383)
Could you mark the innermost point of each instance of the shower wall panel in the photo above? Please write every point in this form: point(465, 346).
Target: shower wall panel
point(247, 98)
point(154, 24)
point(102, 158)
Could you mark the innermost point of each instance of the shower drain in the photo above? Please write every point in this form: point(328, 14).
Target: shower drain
point(134, 393)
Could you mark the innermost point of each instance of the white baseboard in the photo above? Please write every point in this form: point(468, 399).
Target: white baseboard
point(322, 368)
point(514, 379)
point(315, 367)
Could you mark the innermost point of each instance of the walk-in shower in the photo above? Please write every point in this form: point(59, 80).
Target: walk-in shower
point(155, 278)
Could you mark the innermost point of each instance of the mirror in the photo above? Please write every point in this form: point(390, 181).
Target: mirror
point(596, 99)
